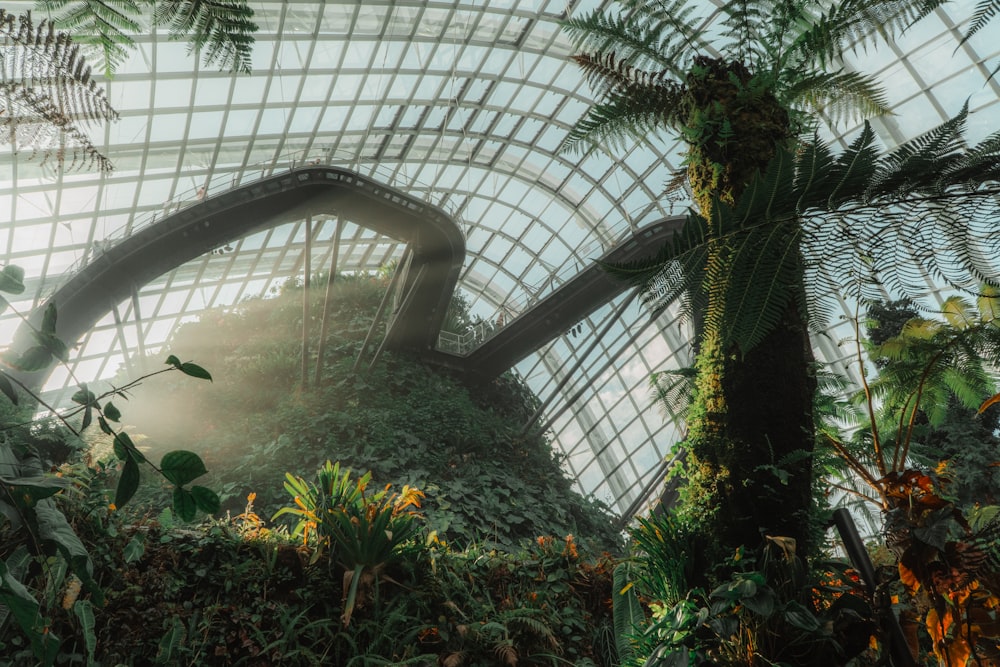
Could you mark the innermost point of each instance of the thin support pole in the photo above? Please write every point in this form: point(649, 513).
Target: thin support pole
point(324, 326)
point(403, 303)
point(307, 267)
point(120, 333)
point(899, 650)
point(400, 270)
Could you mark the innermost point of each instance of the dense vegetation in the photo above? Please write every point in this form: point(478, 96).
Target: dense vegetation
point(399, 419)
point(497, 572)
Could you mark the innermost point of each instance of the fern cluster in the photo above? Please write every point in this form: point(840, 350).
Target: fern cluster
point(222, 30)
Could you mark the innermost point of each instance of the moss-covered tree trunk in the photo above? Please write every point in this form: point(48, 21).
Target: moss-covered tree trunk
point(751, 426)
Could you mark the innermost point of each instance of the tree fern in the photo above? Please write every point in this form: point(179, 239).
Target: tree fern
point(47, 88)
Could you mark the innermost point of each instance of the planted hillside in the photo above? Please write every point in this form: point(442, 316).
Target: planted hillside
point(405, 423)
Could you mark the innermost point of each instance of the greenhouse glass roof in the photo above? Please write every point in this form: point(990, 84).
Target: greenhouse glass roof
point(462, 104)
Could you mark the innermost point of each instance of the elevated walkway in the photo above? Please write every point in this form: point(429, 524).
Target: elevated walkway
point(435, 244)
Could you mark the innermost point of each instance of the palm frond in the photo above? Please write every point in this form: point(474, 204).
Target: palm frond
point(221, 29)
point(47, 87)
point(106, 24)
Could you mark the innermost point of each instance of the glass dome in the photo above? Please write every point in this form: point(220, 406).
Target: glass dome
point(462, 104)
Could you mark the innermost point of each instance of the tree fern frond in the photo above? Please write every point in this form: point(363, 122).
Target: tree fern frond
point(222, 29)
point(915, 166)
point(850, 25)
point(649, 37)
point(106, 24)
point(638, 114)
point(47, 87)
point(840, 96)
point(986, 11)
point(755, 307)
point(672, 391)
point(958, 312)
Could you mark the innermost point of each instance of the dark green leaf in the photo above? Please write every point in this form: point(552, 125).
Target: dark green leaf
point(206, 499)
point(49, 319)
point(111, 412)
point(173, 361)
point(34, 488)
point(185, 505)
point(53, 528)
point(84, 611)
point(799, 616)
point(56, 347)
point(84, 396)
point(181, 467)
point(8, 389)
point(135, 549)
point(33, 359)
point(105, 428)
point(12, 279)
point(128, 483)
point(88, 417)
point(195, 371)
point(24, 607)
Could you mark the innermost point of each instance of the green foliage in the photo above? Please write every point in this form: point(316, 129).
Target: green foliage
point(640, 57)
point(768, 609)
point(32, 522)
point(222, 30)
point(403, 422)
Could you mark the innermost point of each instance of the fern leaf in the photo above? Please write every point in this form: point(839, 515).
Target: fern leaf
point(840, 96)
point(48, 88)
point(222, 29)
point(626, 611)
point(106, 24)
point(986, 11)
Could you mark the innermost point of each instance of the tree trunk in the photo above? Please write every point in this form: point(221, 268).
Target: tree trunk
point(750, 436)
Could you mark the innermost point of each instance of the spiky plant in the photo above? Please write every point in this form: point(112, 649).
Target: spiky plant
point(739, 93)
point(221, 30)
point(47, 91)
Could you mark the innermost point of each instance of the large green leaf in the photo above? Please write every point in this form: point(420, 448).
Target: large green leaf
point(8, 389)
point(54, 528)
point(185, 505)
point(35, 487)
point(84, 611)
point(181, 467)
point(206, 499)
point(33, 359)
point(188, 368)
point(23, 606)
point(12, 279)
point(128, 483)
